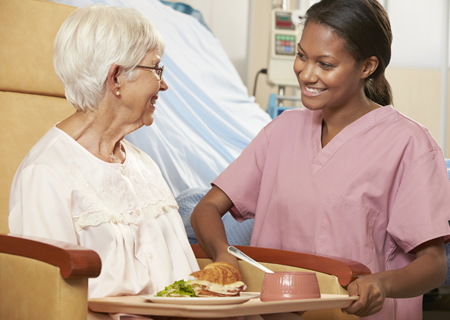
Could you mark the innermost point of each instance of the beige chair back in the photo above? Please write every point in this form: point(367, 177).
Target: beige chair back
point(31, 95)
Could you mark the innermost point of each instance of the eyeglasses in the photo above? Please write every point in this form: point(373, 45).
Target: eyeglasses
point(159, 70)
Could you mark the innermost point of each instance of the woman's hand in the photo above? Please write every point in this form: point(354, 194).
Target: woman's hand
point(428, 271)
point(371, 295)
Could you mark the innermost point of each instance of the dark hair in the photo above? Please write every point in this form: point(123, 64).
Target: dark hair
point(364, 26)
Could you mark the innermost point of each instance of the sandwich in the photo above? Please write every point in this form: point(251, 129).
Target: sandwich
point(218, 279)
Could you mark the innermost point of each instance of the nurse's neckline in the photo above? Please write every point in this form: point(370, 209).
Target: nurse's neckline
point(328, 135)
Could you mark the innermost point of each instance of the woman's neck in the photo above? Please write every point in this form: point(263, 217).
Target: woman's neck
point(336, 119)
point(98, 132)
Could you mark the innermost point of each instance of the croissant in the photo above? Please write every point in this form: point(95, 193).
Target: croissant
point(219, 272)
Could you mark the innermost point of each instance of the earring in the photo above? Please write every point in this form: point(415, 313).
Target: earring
point(117, 93)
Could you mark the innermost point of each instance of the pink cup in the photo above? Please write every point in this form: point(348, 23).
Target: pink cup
point(289, 286)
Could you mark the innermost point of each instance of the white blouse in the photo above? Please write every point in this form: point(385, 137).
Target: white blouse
point(124, 212)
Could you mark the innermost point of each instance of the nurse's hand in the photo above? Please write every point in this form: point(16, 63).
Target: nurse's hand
point(428, 271)
point(371, 296)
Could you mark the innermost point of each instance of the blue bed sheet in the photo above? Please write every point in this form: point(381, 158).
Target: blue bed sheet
point(238, 234)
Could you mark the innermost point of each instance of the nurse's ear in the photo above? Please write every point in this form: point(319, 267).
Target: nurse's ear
point(369, 67)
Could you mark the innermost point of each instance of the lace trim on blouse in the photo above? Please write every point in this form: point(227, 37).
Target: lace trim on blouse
point(144, 194)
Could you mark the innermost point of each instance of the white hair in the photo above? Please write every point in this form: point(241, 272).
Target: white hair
point(91, 40)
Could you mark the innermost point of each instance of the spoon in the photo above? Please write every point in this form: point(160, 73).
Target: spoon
point(239, 254)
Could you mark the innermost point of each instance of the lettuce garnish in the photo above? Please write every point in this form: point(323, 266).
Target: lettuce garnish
point(179, 288)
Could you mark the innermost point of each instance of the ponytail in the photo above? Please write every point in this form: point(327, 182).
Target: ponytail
point(378, 90)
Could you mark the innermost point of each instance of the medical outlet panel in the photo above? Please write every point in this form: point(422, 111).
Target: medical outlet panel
point(285, 34)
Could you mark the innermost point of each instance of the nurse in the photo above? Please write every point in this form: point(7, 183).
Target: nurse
point(347, 175)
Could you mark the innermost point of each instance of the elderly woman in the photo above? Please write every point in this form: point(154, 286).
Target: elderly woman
point(82, 182)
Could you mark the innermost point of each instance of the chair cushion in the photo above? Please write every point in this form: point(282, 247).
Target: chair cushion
point(26, 118)
point(32, 289)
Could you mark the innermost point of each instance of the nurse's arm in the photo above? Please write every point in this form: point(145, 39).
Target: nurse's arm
point(206, 220)
point(426, 272)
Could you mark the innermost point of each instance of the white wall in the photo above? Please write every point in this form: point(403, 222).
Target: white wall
point(418, 27)
point(229, 22)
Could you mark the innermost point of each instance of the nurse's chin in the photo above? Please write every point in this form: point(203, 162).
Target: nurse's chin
point(311, 105)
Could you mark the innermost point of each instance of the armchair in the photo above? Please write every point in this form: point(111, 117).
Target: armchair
point(47, 279)
point(39, 279)
point(44, 279)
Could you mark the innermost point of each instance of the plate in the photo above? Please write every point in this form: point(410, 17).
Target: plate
point(245, 296)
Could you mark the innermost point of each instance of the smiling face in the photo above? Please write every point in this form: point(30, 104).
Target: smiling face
point(328, 75)
point(139, 95)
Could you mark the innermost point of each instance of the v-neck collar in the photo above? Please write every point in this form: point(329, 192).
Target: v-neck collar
point(319, 155)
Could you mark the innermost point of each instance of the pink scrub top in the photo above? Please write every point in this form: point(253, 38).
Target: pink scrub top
point(376, 191)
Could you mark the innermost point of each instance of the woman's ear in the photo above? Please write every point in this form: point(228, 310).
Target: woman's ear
point(113, 80)
point(370, 65)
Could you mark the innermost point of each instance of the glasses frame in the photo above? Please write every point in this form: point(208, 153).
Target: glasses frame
point(159, 70)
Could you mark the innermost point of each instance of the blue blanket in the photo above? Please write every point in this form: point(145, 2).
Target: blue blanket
point(238, 234)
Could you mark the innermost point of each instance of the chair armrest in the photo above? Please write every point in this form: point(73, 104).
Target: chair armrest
point(344, 269)
point(73, 261)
